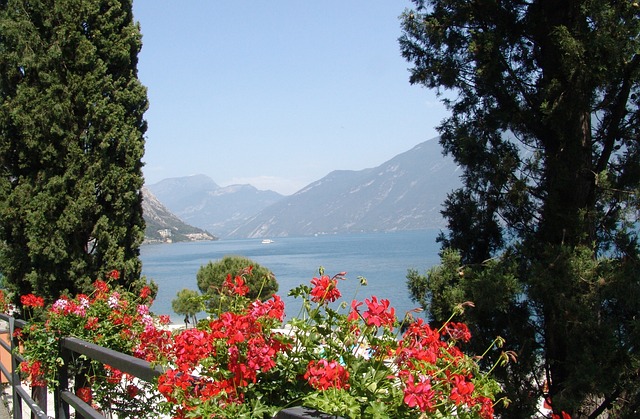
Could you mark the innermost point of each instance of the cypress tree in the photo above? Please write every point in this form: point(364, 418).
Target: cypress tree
point(545, 122)
point(71, 144)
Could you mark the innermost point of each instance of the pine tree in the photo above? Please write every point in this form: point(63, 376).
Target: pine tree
point(544, 100)
point(71, 144)
point(259, 279)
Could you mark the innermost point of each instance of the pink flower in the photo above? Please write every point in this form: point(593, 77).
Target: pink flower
point(60, 305)
point(143, 309)
point(114, 300)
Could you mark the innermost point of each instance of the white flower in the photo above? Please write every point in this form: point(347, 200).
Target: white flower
point(114, 300)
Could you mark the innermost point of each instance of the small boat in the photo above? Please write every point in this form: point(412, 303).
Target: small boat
point(267, 241)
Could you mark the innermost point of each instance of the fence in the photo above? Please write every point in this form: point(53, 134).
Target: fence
point(64, 399)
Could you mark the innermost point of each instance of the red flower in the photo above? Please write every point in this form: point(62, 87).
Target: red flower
point(31, 300)
point(325, 289)
point(145, 292)
point(35, 373)
point(486, 409)
point(323, 375)
point(418, 394)
point(237, 285)
point(379, 314)
point(458, 331)
point(563, 415)
point(114, 274)
point(85, 394)
point(354, 314)
point(92, 323)
point(101, 288)
point(114, 376)
point(461, 392)
point(132, 391)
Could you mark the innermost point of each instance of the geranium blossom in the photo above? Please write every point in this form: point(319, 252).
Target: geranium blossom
point(114, 300)
point(34, 372)
point(354, 314)
point(244, 359)
point(85, 394)
point(236, 285)
point(145, 292)
point(273, 308)
point(31, 300)
point(92, 323)
point(324, 374)
point(132, 391)
point(60, 305)
point(324, 289)
point(101, 288)
point(418, 393)
point(107, 317)
point(462, 391)
point(379, 313)
point(458, 331)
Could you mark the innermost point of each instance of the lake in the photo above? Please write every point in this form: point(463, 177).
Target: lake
point(382, 258)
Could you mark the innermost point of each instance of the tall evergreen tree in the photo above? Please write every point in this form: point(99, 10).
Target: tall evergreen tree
point(71, 144)
point(544, 99)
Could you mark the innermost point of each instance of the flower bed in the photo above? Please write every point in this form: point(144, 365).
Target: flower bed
point(346, 360)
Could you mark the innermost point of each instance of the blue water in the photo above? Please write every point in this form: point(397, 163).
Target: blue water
point(382, 258)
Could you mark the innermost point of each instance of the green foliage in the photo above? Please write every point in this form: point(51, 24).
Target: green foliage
point(71, 144)
point(545, 123)
point(188, 303)
point(260, 280)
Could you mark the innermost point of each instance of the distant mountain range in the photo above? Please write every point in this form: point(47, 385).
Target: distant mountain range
point(199, 201)
point(404, 193)
point(162, 226)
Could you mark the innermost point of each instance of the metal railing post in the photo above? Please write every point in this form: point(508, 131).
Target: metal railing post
point(61, 406)
point(15, 376)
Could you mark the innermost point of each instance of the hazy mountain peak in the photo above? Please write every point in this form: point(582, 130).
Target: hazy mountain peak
point(164, 226)
point(199, 201)
point(404, 193)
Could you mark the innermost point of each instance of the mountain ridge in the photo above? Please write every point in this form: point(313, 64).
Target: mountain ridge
point(404, 193)
point(162, 226)
point(199, 201)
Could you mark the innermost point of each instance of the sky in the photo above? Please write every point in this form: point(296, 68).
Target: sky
point(277, 94)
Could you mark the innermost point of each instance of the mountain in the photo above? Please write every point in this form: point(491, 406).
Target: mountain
point(404, 193)
point(199, 201)
point(163, 226)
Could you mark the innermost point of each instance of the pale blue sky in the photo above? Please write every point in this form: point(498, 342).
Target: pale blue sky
point(277, 93)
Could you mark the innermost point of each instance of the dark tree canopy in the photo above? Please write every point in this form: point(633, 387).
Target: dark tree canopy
point(544, 100)
point(71, 143)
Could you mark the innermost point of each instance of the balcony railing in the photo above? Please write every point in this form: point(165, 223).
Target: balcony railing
point(64, 399)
